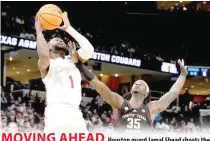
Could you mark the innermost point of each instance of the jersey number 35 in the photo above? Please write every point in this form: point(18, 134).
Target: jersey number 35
point(133, 123)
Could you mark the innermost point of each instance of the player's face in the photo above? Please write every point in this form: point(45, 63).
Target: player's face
point(57, 42)
point(139, 87)
point(57, 45)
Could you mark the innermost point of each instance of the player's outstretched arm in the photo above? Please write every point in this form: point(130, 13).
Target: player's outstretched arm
point(161, 104)
point(86, 51)
point(114, 99)
point(42, 48)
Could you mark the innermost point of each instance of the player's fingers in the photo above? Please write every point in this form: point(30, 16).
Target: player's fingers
point(69, 47)
point(74, 46)
point(183, 61)
point(64, 15)
point(179, 61)
point(69, 44)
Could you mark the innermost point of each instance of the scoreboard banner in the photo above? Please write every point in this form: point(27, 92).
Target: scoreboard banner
point(18, 42)
point(198, 71)
point(154, 65)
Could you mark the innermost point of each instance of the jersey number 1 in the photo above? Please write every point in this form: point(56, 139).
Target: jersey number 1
point(71, 81)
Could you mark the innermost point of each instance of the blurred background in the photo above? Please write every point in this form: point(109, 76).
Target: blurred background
point(151, 35)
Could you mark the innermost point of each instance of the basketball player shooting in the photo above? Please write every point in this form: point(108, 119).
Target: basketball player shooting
point(62, 79)
point(134, 114)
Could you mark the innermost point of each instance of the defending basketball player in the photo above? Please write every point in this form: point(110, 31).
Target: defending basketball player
point(62, 79)
point(134, 114)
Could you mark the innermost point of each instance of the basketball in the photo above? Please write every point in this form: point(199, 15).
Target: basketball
point(49, 16)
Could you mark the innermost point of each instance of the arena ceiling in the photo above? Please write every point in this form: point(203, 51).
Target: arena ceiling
point(23, 67)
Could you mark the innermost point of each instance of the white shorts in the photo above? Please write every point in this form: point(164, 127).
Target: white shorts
point(64, 119)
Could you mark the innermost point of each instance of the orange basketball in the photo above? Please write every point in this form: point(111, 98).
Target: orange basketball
point(49, 16)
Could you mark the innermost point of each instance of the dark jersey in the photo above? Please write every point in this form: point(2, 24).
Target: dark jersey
point(133, 119)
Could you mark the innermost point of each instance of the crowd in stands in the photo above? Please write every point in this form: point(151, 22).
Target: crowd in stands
point(25, 112)
point(24, 27)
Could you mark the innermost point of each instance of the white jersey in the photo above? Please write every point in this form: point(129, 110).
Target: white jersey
point(63, 96)
point(63, 82)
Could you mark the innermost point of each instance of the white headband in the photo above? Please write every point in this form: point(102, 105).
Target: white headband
point(147, 90)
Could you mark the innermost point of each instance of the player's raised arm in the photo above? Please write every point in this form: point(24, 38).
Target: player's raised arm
point(161, 104)
point(86, 50)
point(42, 48)
point(114, 99)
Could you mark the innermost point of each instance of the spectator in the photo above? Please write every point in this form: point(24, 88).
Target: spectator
point(11, 98)
point(208, 101)
point(190, 125)
point(187, 98)
point(28, 97)
point(88, 123)
point(162, 126)
point(22, 34)
point(19, 99)
point(173, 123)
point(3, 101)
point(12, 127)
point(20, 20)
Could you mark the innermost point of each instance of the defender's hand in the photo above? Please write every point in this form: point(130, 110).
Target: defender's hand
point(73, 52)
point(66, 22)
point(183, 68)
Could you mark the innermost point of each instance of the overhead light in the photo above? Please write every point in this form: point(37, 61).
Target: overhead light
point(10, 58)
point(116, 75)
point(13, 68)
point(204, 2)
point(101, 74)
point(17, 72)
point(184, 8)
point(204, 73)
point(28, 70)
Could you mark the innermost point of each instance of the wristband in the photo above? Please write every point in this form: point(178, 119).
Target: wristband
point(84, 70)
